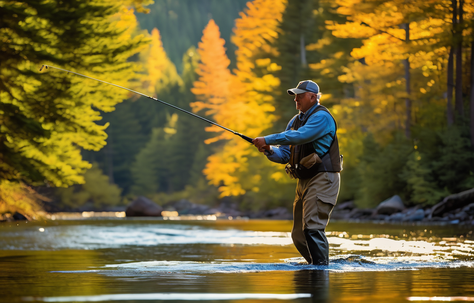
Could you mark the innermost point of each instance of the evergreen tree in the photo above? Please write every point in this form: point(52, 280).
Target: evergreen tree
point(96, 189)
point(379, 170)
point(181, 23)
point(125, 139)
point(294, 34)
point(246, 103)
point(46, 118)
point(161, 80)
point(150, 163)
point(422, 186)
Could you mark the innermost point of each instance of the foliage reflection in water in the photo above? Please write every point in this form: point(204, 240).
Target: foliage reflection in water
point(132, 260)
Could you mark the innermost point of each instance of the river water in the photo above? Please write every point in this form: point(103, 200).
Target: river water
point(149, 260)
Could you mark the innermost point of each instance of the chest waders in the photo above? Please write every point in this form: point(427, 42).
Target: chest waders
point(310, 213)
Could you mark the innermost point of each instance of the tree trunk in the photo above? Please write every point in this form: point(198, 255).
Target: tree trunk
point(471, 121)
point(406, 63)
point(303, 51)
point(458, 105)
point(450, 110)
point(109, 155)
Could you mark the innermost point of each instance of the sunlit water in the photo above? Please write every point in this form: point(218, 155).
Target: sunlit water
point(123, 260)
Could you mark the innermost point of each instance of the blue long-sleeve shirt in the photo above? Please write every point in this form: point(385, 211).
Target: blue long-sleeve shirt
point(319, 129)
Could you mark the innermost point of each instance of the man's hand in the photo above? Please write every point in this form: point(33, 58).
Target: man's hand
point(260, 143)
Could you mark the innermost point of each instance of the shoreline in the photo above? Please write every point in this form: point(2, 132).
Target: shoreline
point(114, 215)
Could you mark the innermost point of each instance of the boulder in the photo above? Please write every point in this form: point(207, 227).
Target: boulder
point(143, 207)
point(453, 202)
point(19, 217)
point(390, 206)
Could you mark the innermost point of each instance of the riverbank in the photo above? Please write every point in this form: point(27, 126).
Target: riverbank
point(454, 209)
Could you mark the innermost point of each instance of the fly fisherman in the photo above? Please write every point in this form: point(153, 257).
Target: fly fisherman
point(310, 149)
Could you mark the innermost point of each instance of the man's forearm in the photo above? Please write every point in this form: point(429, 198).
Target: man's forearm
point(279, 154)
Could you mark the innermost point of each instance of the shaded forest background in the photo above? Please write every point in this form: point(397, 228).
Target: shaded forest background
point(397, 75)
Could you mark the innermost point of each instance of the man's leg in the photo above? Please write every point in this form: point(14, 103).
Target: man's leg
point(318, 246)
point(297, 233)
point(319, 199)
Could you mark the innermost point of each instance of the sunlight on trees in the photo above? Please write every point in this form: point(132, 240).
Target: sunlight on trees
point(395, 74)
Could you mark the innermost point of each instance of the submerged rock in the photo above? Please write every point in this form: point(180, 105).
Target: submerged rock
point(143, 207)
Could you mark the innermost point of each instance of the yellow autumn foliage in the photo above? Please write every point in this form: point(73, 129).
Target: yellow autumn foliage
point(239, 101)
point(160, 71)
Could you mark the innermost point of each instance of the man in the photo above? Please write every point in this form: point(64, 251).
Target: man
point(309, 146)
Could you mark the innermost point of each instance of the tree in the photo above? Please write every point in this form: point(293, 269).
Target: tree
point(294, 33)
point(47, 118)
point(96, 189)
point(246, 103)
point(181, 23)
point(212, 89)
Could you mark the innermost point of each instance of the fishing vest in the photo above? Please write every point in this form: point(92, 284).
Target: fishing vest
point(304, 162)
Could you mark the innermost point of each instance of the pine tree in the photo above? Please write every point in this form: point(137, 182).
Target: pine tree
point(181, 23)
point(46, 118)
point(213, 86)
point(245, 100)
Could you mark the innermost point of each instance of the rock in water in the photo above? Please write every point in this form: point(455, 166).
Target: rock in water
point(390, 206)
point(143, 207)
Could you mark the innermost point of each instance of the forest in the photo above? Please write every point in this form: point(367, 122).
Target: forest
point(397, 75)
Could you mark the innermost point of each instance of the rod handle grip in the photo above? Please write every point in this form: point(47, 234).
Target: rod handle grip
point(245, 138)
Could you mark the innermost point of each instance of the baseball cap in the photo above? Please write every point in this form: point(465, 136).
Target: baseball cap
point(303, 87)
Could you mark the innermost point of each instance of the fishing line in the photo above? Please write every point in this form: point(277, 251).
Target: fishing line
point(155, 99)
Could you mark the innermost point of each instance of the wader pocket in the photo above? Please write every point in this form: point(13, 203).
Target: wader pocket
point(310, 160)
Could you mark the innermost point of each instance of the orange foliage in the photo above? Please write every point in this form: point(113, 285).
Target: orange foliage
point(212, 87)
point(242, 101)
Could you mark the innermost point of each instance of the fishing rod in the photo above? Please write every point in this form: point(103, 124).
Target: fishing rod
point(155, 99)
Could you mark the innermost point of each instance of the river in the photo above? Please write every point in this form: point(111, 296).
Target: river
point(151, 260)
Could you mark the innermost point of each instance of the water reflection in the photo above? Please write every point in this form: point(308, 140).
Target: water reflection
point(169, 297)
point(314, 282)
point(130, 260)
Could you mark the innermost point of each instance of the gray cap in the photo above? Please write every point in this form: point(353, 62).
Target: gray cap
point(303, 87)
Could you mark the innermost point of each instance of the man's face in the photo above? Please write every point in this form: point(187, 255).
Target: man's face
point(305, 101)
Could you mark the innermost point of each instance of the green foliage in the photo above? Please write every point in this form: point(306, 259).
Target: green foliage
point(200, 193)
point(455, 158)
point(18, 197)
point(51, 123)
point(125, 138)
point(149, 172)
point(422, 188)
point(379, 170)
point(97, 189)
point(181, 23)
point(47, 118)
